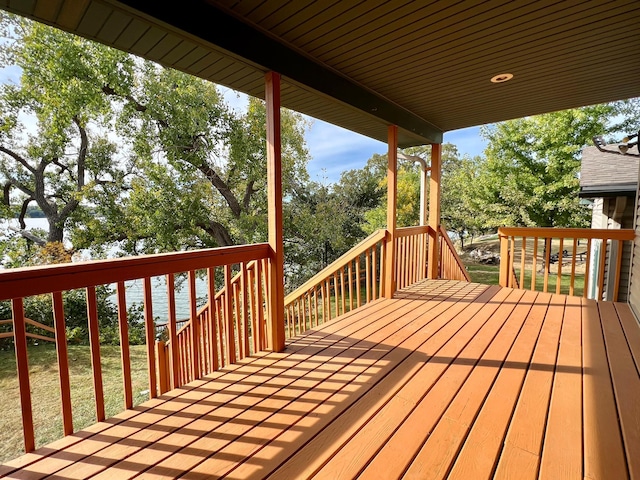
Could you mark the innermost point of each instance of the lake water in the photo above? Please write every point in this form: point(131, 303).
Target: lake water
point(134, 294)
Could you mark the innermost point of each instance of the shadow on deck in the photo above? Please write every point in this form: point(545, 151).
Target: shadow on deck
point(448, 379)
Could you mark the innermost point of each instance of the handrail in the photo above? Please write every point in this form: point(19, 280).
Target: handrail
point(451, 264)
point(357, 272)
point(28, 281)
point(219, 335)
point(555, 232)
point(358, 249)
point(528, 257)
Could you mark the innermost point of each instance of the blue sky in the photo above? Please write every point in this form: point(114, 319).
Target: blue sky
point(334, 149)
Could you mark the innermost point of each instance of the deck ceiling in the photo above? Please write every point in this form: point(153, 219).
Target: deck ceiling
point(425, 66)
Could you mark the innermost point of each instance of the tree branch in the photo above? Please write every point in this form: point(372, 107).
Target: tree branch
point(219, 232)
point(82, 154)
point(29, 236)
point(17, 158)
point(249, 191)
point(223, 188)
point(23, 212)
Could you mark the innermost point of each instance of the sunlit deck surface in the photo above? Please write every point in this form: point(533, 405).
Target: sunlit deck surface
point(449, 379)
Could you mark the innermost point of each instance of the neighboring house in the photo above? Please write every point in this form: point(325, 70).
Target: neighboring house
point(610, 181)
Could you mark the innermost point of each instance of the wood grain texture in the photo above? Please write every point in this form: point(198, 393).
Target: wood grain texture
point(447, 379)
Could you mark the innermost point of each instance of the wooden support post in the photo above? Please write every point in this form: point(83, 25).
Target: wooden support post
point(504, 260)
point(434, 212)
point(392, 197)
point(274, 193)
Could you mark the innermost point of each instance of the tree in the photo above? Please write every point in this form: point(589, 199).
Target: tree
point(530, 177)
point(64, 160)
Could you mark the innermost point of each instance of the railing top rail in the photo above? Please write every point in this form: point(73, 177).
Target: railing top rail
point(27, 281)
point(553, 232)
point(365, 244)
point(408, 231)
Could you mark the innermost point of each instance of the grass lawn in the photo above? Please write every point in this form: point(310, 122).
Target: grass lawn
point(45, 391)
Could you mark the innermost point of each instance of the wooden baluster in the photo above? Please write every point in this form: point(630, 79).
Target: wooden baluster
point(603, 260)
point(547, 265)
point(96, 362)
point(261, 320)
point(150, 330)
point(315, 307)
point(253, 307)
point(220, 329)
point(174, 360)
point(300, 316)
point(617, 271)
point(587, 269)
point(368, 275)
point(237, 320)
point(350, 284)
point(228, 315)
point(22, 364)
point(245, 309)
point(163, 367)
point(124, 345)
point(534, 266)
point(213, 335)
point(358, 293)
point(523, 256)
point(342, 291)
point(336, 296)
point(194, 339)
point(63, 362)
point(572, 281)
point(327, 283)
point(504, 260)
point(559, 275)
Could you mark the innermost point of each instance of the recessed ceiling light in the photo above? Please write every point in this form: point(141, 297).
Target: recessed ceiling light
point(502, 77)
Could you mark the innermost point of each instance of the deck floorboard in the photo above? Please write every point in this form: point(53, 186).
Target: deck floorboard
point(447, 380)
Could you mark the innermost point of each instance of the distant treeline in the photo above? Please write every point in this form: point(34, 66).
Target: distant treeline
point(34, 212)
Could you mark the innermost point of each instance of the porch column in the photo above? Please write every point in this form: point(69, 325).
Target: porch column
point(275, 324)
point(392, 194)
point(434, 212)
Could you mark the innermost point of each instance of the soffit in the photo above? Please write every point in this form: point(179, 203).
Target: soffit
point(365, 64)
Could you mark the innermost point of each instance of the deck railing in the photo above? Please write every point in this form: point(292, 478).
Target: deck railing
point(204, 345)
point(411, 255)
point(352, 280)
point(230, 326)
point(565, 260)
point(221, 333)
point(451, 266)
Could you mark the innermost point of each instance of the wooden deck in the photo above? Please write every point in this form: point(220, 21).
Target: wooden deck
point(447, 380)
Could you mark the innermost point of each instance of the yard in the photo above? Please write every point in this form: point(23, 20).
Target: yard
point(45, 390)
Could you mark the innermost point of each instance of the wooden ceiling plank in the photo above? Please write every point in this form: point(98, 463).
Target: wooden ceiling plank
point(71, 13)
point(94, 19)
point(321, 14)
point(178, 52)
point(476, 41)
point(27, 6)
point(205, 62)
point(164, 46)
point(284, 14)
point(192, 58)
point(48, 9)
point(114, 26)
point(132, 33)
point(454, 35)
point(149, 40)
point(370, 32)
point(523, 65)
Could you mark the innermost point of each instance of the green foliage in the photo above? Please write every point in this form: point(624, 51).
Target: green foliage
point(530, 177)
point(39, 308)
